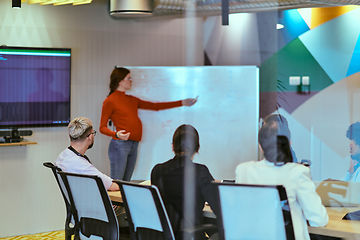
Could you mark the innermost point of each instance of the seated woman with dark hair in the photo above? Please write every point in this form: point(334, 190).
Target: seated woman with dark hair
point(278, 169)
point(183, 184)
point(284, 124)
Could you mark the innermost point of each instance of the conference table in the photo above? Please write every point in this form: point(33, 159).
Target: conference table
point(336, 227)
point(346, 229)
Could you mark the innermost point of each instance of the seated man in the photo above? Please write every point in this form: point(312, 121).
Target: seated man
point(353, 134)
point(183, 184)
point(278, 169)
point(73, 158)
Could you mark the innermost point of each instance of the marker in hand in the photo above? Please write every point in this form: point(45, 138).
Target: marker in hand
point(195, 100)
point(189, 101)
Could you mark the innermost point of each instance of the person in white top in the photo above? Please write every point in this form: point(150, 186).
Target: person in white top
point(278, 169)
point(73, 158)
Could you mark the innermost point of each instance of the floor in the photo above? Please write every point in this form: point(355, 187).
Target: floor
point(56, 235)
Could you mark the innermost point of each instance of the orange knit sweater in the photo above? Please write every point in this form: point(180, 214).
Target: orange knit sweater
point(122, 110)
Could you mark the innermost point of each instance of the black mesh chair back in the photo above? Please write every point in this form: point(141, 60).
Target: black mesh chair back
point(253, 212)
point(93, 211)
point(69, 221)
point(146, 213)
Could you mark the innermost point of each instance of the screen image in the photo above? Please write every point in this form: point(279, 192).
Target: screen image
point(34, 87)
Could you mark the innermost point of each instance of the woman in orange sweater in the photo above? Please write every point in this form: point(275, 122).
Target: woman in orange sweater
point(122, 110)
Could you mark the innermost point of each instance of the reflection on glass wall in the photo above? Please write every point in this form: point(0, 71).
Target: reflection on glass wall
point(309, 73)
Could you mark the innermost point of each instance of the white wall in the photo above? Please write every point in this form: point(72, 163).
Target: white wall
point(325, 119)
point(30, 201)
point(236, 44)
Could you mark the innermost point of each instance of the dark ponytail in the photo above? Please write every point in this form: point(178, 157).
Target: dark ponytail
point(283, 150)
point(186, 140)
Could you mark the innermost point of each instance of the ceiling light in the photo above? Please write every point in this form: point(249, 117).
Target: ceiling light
point(279, 26)
point(131, 8)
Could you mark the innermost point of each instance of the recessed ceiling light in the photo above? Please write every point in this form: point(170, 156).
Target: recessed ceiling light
point(279, 26)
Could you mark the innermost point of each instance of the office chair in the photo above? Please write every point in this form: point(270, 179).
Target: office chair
point(146, 213)
point(91, 205)
point(253, 212)
point(69, 221)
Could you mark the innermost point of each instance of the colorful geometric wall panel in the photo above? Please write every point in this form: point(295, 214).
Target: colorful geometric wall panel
point(323, 15)
point(354, 66)
point(329, 46)
point(294, 25)
point(322, 43)
point(306, 15)
point(331, 111)
point(292, 60)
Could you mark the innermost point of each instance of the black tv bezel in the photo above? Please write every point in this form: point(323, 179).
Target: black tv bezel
point(39, 125)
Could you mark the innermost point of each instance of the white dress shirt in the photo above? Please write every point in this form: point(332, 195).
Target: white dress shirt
point(352, 177)
point(305, 203)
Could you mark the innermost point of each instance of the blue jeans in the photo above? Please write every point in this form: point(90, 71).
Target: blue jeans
point(122, 155)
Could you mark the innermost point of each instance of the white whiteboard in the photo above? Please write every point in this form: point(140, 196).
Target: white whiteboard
point(226, 115)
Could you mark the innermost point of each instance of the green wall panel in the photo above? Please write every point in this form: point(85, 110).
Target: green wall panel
point(292, 60)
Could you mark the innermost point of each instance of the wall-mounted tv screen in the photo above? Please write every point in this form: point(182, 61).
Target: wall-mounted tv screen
point(34, 87)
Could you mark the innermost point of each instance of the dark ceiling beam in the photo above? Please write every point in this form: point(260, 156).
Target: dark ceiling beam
point(16, 3)
point(225, 12)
